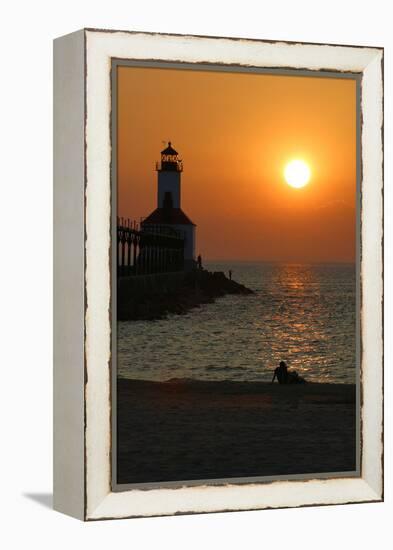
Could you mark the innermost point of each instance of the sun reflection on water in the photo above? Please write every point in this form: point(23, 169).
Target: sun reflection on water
point(303, 314)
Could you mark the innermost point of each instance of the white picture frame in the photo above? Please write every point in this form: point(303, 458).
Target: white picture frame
point(82, 256)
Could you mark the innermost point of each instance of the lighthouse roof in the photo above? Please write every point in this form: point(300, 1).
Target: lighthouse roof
point(169, 150)
point(168, 216)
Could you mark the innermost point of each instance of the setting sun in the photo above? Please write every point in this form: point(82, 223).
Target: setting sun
point(297, 173)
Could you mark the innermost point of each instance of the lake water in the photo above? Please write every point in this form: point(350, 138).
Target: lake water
point(304, 314)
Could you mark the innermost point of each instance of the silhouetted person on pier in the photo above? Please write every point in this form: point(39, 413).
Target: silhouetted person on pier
point(230, 274)
point(199, 261)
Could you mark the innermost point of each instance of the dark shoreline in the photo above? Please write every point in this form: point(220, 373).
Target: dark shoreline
point(153, 297)
point(189, 430)
point(331, 390)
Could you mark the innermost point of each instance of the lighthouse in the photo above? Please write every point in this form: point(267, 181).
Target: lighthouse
point(169, 212)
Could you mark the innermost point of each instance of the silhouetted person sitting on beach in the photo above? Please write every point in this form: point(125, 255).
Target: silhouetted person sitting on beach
point(294, 378)
point(285, 376)
point(281, 373)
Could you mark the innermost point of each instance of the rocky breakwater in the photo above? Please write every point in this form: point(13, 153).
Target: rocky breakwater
point(151, 297)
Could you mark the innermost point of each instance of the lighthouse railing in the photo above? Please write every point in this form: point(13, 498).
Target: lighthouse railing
point(147, 250)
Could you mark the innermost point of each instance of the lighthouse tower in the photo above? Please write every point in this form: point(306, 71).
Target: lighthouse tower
point(169, 177)
point(168, 212)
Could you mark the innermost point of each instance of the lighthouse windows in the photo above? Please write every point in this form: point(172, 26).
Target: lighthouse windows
point(169, 158)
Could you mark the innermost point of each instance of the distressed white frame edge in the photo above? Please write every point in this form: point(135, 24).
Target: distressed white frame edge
point(101, 503)
point(69, 274)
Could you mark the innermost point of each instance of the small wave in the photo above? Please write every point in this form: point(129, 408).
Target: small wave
point(225, 368)
point(176, 380)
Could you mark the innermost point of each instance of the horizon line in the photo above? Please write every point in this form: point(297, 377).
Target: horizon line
point(279, 261)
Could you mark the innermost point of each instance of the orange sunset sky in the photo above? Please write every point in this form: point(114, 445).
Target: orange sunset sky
point(235, 132)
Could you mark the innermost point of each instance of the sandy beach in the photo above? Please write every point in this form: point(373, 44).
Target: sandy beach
point(188, 430)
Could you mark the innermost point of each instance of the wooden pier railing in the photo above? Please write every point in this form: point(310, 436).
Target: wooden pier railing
point(148, 249)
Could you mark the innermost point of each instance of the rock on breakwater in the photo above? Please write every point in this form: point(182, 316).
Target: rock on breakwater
point(150, 297)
